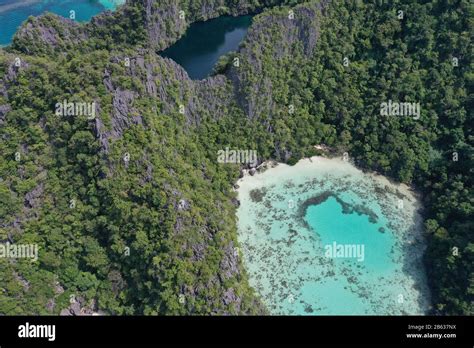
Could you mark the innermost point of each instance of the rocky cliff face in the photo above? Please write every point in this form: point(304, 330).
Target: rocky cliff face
point(47, 33)
point(167, 20)
point(168, 82)
point(163, 22)
point(293, 33)
point(5, 81)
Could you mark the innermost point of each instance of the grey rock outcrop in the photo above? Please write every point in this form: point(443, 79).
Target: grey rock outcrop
point(4, 109)
point(229, 264)
point(32, 198)
point(183, 205)
point(230, 298)
point(79, 307)
point(255, 94)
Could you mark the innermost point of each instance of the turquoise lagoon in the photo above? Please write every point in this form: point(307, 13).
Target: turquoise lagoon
point(290, 216)
point(14, 12)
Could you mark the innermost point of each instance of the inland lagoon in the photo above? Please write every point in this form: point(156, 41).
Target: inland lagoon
point(205, 42)
point(324, 238)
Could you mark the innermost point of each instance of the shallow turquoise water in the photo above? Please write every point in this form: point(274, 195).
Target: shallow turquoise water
point(285, 227)
point(332, 225)
point(14, 12)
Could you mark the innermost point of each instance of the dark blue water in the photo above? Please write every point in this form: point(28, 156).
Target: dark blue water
point(14, 12)
point(204, 42)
